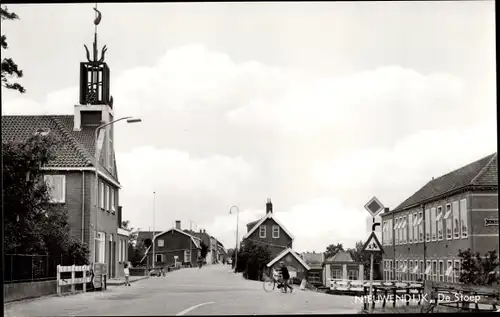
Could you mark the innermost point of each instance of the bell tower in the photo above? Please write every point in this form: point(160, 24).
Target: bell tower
point(95, 101)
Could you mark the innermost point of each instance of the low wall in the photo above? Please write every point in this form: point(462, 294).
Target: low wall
point(18, 291)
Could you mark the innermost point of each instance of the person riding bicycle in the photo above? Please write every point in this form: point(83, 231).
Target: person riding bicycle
point(285, 276)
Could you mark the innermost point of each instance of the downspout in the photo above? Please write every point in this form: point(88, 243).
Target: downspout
point(83, 206)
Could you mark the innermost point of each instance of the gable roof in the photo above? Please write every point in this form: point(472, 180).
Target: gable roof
point(76, 150)
point(285, 252)
point(194, 239)
point(269, 215)
point(341, 256)
point(482, 172)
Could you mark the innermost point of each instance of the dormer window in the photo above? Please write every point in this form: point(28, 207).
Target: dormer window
point(42, 131)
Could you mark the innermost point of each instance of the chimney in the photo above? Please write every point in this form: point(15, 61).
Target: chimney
point(204, 231)
point(269, 206)
point(178, 224)
point(201, 231)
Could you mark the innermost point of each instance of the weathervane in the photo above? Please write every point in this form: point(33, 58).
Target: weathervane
point(95, 59)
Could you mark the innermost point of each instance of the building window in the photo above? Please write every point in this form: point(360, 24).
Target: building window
point(106, 197)
point(421, 269)
point(352, 275)
point(159, 258)
point(391, 271)
point(449, 271)
point(396, 231)
point(262, 231)
point(112, 199)
point(428, 270)
point(433, 224)
point(398, 269)
point(456, 271)
point(120, 250)
point(427, 225)
point(57, 187)
point(441, 271)
point(439, 223)
point(336, 274)
point(434, 270)
point(415, 227)
point(405, 230)
point(100, 247)
point(411, 269)
point(101, 200)
point(187, 255)
point(405, 270)
point(464, 230)
point(410, 228)
point(161, 243)
point(449, 222)
point(276, 231)
point(456, 220)
point(390, 231)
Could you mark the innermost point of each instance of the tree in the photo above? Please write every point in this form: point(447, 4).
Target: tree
point(204, 250)
point(333, 249)
point(478, 270)
point(10, 69)
point(252, 260)
point(132, 238)
point(34, 225)
point(363, 257)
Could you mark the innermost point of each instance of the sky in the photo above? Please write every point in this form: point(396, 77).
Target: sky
point(318, 106)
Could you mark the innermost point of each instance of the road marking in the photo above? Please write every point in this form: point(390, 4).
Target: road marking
point(185, 311)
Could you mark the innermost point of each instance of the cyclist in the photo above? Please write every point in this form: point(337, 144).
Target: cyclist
point(285, 276)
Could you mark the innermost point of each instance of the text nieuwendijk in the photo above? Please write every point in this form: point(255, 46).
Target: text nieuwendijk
point(416, 297)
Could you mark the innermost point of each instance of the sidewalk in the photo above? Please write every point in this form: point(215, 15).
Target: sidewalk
point(121, 281)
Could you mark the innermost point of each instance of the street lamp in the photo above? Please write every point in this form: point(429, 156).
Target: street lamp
point(237, 224)
point(96, 154)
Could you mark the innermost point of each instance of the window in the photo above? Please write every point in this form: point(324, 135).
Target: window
point(161, 242)
point(449, 271)
point(405, 230)
point(336, 274)
point(398, 269)
point(112, 199)
point(159, 258)
point(262, 231)
point(276, 231)
point(464, 230)
point(439, 223)
point(106, 197)
point(427, 225)
point(415, 227)
point(428, 270)
point(456, 220)
point(100, 247)
point(449, 222)
point(57, 187)
point(405, 270)
point(410, 268)
point(421, 226)
point(421, 269)
point(390, 231)
point(384, 235)
point(187, 255)
point(441, 271)
point(101, 200)
point(391, 271)
point(456, 270)
point(410, 228)
point(120, 250)
point(433, 224)
point(434, 270)
point(352, 275)
point(396, 231)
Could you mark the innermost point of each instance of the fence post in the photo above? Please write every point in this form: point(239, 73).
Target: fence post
point(73, 278)
point(84, 278)
point(58, 280)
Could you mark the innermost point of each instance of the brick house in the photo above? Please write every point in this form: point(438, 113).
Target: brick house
point(296, 266)
point(457, 211)
point(268, 231)
point(171, 243)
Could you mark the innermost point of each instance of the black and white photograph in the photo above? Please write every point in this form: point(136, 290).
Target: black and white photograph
point(249, 158)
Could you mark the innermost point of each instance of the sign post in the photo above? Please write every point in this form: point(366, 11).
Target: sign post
point(374, 207)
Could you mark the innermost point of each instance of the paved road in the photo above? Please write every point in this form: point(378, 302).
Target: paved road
point(210, 290)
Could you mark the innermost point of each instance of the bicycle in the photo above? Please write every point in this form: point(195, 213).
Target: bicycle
point(271, 282)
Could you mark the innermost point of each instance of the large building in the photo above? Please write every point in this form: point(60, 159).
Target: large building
point(423, 235)
point(71, 175)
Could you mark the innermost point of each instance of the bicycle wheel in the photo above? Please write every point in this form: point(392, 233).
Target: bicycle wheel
point(269, 284)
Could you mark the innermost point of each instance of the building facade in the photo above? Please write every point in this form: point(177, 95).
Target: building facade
point(457, 211)
point(341, 266)
point(294, 263)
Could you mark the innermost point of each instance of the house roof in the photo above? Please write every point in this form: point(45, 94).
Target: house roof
point(76, 149)
point(194, 239)
point(285, 252)
point(269, 215)
point(341, 256)
point(482, 172)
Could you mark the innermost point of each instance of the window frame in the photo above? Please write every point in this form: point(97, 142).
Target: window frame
point(428, 264)
point(50, 179)
point(433, 224)
point(456, 271)
point(262, 236)
point(333, 270)
point(441, 271)
point(101, 255)
point(112, 195)
point(434, 269)
point(450, 278)
point(439, 223)
point(449, 222)
point(349, 275)
point(421, 269)
point(102, 193)
point(410, 228)
point(106, 197)
point(161, 258)
point(160, 243)
point(415, 228)
point(273, 231)
point(396, 231)
point(187, 255)
point(427, 225)
point(421, 225)
point(410, 269)
point(463, 215)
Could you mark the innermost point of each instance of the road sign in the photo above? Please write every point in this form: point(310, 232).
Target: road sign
point(372, 244)
point(374, 206)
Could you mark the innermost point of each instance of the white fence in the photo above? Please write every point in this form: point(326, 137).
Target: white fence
point(358, 285)
point(73, 280)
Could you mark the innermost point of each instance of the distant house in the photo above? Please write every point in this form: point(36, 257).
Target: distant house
point(268, 231)
point(341, 266)
point(173, 243)
point(221, 252)
point(315, 262)
point(296, 266)
point(209, 241)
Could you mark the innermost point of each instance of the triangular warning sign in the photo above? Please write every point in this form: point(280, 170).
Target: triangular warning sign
point(372, 244)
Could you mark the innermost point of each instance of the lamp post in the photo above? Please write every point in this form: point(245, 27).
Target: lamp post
point(96, 154)
point(237, 224)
